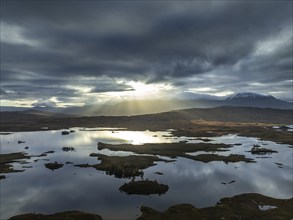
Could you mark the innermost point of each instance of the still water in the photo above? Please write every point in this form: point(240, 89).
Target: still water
point(41, 190)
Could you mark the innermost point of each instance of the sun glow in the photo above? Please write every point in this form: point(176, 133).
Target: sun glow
point(142, 90)
point(141, 87)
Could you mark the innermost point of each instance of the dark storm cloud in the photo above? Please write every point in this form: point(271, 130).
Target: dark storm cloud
point(110, 88)
point(57, 43)
point(30, 91)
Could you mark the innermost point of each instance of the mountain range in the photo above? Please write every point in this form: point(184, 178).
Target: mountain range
point(139, 107)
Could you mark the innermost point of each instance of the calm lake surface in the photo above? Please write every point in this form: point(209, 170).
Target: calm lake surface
point(41, 190)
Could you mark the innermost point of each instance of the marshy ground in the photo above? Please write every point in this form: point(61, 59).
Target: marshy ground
point(244, 206)
point(144, 187)
point(199, 146)
point(123, 167)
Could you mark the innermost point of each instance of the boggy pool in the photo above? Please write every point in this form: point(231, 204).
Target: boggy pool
point(41, 190)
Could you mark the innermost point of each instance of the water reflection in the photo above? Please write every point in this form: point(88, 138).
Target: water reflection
point(41, 190)
point(284, 128)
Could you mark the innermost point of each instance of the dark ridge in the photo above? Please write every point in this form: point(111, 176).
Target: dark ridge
point(28, 121)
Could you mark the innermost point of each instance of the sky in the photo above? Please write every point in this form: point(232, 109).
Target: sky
point(67, 53)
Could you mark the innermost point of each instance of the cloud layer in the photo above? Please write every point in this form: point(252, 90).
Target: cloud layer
point(76, 51)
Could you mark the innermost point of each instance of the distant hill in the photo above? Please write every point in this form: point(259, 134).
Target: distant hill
point(32, 115)
point(12, 109)
point(140, 107)
point(238, 114)
point(256, 100)
point(31, 120)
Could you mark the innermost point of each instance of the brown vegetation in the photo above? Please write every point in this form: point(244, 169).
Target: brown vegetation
point(72, 215)
point(7, 159)
point(53, 166)
point(262, 150)
point(232, 158)
point(179, 149)
point(165, 149)
point(244, 206)
point(217, 128)
point(246, 121)
point(123, 167)
point(144, 187)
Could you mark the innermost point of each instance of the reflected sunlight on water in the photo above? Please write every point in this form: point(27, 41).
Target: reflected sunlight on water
point(87, 189)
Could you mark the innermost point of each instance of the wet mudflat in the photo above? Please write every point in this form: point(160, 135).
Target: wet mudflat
point(85, 169)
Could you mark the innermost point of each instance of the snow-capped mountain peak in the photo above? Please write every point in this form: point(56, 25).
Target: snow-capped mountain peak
point(247, 95)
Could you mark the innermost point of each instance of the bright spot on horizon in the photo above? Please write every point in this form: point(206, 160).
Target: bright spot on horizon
point(142, 90)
